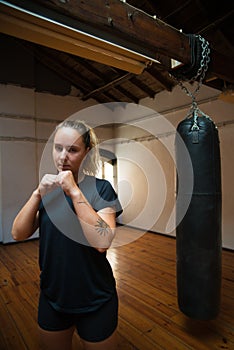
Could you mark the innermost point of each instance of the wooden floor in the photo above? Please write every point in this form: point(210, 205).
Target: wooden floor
point(149, 318)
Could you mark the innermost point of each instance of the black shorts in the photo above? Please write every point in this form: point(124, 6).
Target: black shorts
point(92, 326)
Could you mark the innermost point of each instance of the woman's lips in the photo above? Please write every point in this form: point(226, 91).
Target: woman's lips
point(64, 167)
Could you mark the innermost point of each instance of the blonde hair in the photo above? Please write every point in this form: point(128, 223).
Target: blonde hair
point(90, 164)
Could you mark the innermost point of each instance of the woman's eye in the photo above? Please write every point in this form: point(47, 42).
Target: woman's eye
point(72, 150)
point(58, 148)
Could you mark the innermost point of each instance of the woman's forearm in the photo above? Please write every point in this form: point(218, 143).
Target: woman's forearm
point(26, 221)
point(99, 228)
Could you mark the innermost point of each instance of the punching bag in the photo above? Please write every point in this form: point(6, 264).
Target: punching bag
point(198, 233)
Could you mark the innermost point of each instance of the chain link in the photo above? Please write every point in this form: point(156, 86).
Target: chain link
point(198, 78)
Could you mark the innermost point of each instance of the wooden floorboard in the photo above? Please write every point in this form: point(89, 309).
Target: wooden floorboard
point(149, 318)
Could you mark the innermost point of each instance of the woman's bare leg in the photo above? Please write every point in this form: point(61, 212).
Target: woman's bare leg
point(77, 344)
point(107, 344)
point(56, 340)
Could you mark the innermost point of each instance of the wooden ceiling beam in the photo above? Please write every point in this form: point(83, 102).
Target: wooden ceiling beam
point(116, 22)
point(123, 25)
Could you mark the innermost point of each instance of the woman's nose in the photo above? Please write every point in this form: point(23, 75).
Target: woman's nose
point(63, 154)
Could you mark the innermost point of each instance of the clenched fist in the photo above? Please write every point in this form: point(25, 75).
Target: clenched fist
point(64, 179)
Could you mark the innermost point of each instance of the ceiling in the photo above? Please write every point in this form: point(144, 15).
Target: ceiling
point(63, 73)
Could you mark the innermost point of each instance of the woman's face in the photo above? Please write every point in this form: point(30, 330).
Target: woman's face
point(68, 150)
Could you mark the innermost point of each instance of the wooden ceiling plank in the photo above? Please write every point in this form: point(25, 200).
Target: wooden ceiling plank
point(109, 85)
point(125, 92)
point(158, 76)
point(90, 68)
point(110, 96)
point(222, 66)
point(143, 87)
point(45, 57)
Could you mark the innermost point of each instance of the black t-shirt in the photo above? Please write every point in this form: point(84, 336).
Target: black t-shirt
point(74, 276)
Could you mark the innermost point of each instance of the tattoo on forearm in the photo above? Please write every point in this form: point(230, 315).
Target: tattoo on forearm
point(82, 202)
point(102, 227)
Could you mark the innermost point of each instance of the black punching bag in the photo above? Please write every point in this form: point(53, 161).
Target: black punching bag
point(198, 233)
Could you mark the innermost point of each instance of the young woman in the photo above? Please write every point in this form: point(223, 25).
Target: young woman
point(76, 215)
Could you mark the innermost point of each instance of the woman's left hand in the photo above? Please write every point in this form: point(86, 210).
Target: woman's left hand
point(66, 181)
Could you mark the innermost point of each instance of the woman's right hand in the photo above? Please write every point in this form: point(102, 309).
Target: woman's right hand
point(48, 184)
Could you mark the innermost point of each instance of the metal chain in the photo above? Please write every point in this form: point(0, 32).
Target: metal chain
point(194, 110)
point(204, 61)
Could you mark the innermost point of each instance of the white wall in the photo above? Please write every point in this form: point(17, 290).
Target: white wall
point(145, 166)
point(27, 120)
point(227, 160)
point(155, 162)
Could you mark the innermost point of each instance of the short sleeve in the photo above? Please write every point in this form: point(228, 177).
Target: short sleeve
point(101, 194)
point(108, 197)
